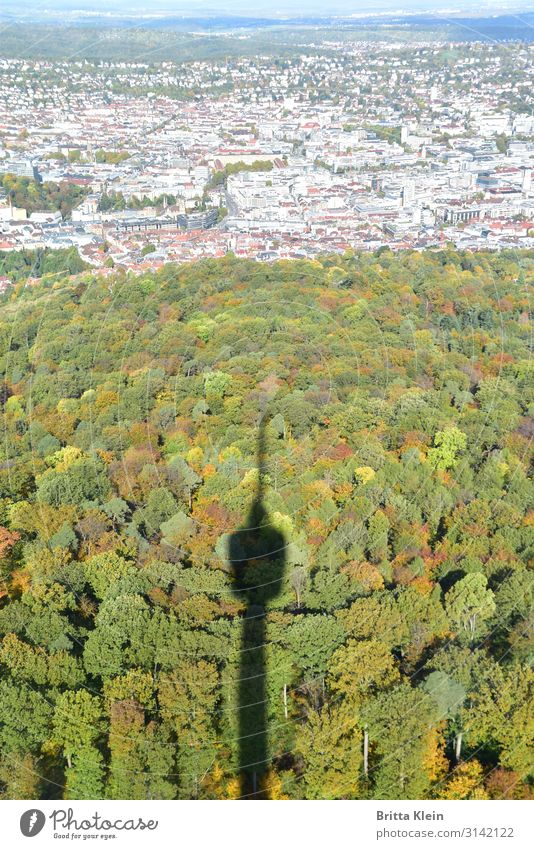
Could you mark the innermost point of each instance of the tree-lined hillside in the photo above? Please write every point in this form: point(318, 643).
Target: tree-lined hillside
point(397, 391)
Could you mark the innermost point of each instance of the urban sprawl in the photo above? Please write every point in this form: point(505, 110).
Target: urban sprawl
point(349, 146)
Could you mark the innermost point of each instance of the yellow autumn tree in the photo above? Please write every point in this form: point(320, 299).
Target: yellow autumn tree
point(465, 782)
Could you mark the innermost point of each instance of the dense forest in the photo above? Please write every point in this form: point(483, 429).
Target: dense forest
point(366, 421)
point(20, 265)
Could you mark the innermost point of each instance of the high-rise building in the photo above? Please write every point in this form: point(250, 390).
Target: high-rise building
point(408, 193)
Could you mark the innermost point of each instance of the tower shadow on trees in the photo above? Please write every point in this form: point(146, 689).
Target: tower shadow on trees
point(257, 557)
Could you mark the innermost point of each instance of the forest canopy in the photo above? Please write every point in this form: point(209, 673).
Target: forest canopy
point(397, 396)
point(20, 265)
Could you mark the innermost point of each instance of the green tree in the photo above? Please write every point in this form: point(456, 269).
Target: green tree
point(447, 445)
point(469, 603)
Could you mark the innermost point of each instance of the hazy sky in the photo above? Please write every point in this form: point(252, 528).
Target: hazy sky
point(266, 8)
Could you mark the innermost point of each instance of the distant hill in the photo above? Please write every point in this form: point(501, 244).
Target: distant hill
point(174, 38)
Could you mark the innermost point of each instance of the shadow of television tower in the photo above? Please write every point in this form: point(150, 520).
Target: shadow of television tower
point(257, 558)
